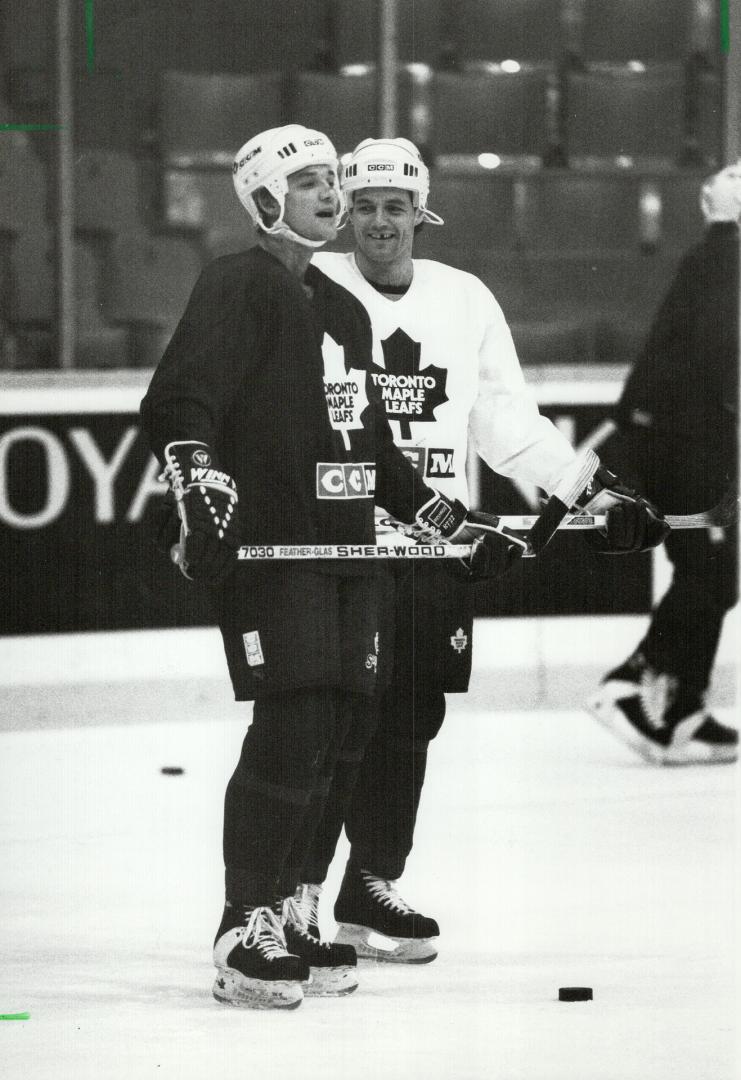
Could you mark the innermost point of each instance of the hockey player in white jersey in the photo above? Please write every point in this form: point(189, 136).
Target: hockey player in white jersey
point(447, 369)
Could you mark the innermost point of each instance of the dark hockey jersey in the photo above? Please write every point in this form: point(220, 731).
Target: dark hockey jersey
point(684, 384)
point(276, 382)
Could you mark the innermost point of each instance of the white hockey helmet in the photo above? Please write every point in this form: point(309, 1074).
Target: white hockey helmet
point(720, 198)
point(395, 163)
point(268, 159)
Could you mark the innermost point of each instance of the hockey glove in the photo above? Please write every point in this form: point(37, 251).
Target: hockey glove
point(206, 500)
point(633, 523)
point(492, 552)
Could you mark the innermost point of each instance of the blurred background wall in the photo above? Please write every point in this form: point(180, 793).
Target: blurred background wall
point(567, 140)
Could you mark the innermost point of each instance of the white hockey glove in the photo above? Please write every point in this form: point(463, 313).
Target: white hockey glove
point(493, 553)
point(633, 523)
point(206, 501)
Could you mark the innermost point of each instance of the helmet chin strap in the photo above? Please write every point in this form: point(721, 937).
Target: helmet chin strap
point(281, 229)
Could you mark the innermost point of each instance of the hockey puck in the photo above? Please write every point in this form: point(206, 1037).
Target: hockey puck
point(172, 770)
point(575, 993)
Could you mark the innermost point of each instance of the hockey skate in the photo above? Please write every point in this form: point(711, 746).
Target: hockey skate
point(648, 712)
point(374, 918)
point(254, 968)
point(333, 966)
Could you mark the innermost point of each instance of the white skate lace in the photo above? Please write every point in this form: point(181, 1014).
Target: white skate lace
point(386, 892)
point(300, 910)
point(657, 692)
point(263, 932)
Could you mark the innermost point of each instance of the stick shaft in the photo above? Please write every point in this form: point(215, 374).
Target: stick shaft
point(400, 550)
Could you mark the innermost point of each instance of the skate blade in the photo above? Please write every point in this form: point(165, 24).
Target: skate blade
point(232, 988)
point(331, 982)
point(371, 945)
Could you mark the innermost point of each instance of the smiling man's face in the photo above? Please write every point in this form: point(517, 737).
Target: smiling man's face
point(383, 221)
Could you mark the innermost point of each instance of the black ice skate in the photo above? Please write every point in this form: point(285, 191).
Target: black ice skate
point(254, 968)
point(333, 967)
point(380, 925)
point(647, 710)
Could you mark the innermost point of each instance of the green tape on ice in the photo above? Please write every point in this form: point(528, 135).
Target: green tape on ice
point(15, 1016)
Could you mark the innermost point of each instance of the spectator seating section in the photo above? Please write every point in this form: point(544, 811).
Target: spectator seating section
point(420, 37)
point(486, 109)
point(198, 200)
point(560, 211)
point(507, 30)
point(33, 311)
point(478, 212)
point(343, 104)
point(23, 201)
point(681, 218)
point(149, 279)
point(204, 119)
point(107, 194)
point(617, 111)
point(636, 29)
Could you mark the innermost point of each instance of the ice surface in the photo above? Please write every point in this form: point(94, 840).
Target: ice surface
point(549, 855)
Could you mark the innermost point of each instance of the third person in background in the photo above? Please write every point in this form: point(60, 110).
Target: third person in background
point(677, 431)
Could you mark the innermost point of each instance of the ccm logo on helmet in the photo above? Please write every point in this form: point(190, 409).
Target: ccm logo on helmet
point(313, 142)
point(383, 167)
point(340, 480)
point(247, 157)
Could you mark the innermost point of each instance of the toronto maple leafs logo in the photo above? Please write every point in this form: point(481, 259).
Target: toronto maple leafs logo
point(345, 390)
point(409, 394)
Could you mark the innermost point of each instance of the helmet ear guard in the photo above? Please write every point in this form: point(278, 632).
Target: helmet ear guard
point(268, 159)
point(394, 163)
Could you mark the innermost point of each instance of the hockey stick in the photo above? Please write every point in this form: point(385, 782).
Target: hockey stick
point(720, 516)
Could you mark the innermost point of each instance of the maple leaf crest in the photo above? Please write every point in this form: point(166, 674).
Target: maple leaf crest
point(344, 390)
point(410, 394)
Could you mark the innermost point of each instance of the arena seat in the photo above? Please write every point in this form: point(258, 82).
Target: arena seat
point(344, 104)
point(107, 192)
point(566, 211)
point(636, 30)
point(632, 114)
point(486, 109)
point(478, 211)
point(354, 32)
point(33, 308)
point(617, 294)
point(22, 186)
point(681, 217)
point(149, 279)
point(204, 119)
point(202, 199)
point(508, 30)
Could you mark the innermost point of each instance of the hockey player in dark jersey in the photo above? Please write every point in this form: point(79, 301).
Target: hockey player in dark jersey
point(677, 430)
point(448, 372)
point(264, 415)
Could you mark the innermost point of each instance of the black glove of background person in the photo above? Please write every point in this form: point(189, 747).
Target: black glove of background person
point(633, 523)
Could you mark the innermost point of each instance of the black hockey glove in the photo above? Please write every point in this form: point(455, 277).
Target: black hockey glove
point(633, 523)
point(492, 552)
point(206, 501)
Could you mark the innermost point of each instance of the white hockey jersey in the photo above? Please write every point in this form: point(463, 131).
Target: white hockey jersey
point(445, 362)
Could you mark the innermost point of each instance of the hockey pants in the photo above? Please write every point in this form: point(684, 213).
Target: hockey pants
point(685, 628)
point(277, 793)
point(377, 798)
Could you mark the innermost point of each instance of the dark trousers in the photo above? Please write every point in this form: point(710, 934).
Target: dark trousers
point(277, 793)
point(683, 476)
point(377, 798)
point(682, 638)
